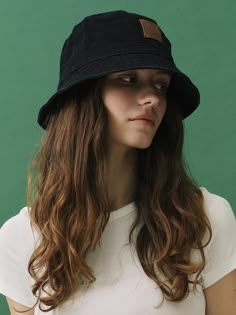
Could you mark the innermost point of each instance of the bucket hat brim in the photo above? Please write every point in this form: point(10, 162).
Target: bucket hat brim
point(181, 88)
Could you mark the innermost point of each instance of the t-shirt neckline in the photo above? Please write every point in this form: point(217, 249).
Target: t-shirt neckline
point(118, 213)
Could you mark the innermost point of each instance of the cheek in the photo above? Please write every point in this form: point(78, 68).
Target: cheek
point(117, 105)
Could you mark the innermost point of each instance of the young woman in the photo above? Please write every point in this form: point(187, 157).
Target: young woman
point(114, 222)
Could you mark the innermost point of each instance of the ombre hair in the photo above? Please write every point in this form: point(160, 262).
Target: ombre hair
point(69, 206)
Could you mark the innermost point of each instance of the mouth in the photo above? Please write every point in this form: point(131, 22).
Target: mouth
point(144, 122)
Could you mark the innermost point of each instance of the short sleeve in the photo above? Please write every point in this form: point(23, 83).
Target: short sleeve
point(220, 253)
point(16, 244)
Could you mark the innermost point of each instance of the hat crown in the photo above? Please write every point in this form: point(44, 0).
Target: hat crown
point(100, 35)
point(114, 26)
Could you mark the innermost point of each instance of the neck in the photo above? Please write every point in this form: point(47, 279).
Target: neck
point(121, 177)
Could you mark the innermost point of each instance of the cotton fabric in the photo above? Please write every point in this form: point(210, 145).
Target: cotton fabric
point(121, 287)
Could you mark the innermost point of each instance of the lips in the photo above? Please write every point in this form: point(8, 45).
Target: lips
point(143, 122)
point(144, 117)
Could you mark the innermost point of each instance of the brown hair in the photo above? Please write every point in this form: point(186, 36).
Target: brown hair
point(69, 199)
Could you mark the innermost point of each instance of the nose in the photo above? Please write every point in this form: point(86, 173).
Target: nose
point(148, 95)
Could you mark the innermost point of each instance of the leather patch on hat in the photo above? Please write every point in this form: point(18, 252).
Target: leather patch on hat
point(151, 30)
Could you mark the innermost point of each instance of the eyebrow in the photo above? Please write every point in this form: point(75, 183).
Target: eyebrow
point(163, 71)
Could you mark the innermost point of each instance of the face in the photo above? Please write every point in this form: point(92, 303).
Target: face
point(129, 94)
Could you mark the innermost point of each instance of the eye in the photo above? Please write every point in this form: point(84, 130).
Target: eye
point(127, 77)
point(162, 86)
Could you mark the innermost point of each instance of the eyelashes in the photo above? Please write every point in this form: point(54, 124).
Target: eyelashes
point(161, 85)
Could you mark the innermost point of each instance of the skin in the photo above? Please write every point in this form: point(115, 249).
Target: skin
point(126, 95)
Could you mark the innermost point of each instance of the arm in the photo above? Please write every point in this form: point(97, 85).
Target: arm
point(221, 296)
point(18, 306)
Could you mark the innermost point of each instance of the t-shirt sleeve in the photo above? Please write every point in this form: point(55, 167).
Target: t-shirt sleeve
point(220, 253)
point(16, 244)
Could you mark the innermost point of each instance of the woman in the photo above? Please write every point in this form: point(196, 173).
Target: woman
point(114, 223)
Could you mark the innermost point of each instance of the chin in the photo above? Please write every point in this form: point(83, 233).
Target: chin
point(143, 145)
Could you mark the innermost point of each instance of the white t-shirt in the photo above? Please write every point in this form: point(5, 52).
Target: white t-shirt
point(122, 287)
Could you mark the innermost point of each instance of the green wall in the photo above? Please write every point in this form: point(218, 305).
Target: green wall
point(32, 34)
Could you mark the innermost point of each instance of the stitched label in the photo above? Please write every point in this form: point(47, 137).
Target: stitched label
point(151, 30)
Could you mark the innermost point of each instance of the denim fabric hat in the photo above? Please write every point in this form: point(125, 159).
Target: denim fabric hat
point(117, 41)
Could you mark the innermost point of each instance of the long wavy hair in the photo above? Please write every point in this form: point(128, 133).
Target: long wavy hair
point(69, 207)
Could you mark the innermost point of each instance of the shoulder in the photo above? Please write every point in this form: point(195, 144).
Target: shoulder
point(22, 217)
point(220, 253)
point(212, 200)
point(17, 231)
point(17, 242)
point(218, 210)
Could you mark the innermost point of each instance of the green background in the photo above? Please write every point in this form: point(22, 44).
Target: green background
point(203, 43)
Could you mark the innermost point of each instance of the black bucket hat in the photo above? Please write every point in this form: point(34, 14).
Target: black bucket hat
point(117, 41)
